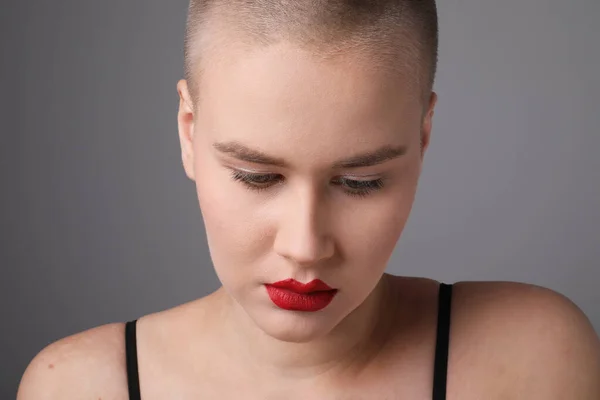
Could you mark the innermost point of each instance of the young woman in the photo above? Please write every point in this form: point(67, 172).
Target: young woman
point(304, 126)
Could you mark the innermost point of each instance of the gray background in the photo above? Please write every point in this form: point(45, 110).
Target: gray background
point(99, 223)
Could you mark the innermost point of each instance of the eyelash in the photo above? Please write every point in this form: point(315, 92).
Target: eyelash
point(254, 182)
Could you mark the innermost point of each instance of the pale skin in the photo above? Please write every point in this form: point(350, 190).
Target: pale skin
point(376, 339)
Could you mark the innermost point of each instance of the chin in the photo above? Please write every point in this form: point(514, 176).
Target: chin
point(295, 327)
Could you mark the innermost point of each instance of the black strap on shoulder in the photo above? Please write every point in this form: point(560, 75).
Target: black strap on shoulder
point(133, 379)
point(440, 370)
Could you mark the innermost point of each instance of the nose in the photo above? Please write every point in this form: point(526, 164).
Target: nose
point(303, 235)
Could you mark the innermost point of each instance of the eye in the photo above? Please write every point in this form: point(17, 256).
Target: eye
point(255, 181)
point(359, 188)
point(352, 187)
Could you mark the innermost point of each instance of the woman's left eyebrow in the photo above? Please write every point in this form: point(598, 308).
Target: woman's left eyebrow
point(378, 156)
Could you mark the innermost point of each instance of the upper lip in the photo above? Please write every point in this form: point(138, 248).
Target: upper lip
point(315, 285)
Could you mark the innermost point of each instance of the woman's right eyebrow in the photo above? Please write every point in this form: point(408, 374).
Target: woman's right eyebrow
point(366, 159)
point(245, 153)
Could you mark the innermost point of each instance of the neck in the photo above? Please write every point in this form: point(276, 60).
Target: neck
point(348, 347)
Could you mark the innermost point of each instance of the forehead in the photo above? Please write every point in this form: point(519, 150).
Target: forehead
point(284, 93)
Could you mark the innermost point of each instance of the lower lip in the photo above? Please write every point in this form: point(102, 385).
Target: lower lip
point(293, 301)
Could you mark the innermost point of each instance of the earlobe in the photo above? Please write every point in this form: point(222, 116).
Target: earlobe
point(185, 122)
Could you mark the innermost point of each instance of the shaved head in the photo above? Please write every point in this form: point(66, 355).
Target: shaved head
point(399, 36)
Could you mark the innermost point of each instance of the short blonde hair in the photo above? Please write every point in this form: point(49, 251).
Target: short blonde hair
point(382, 29)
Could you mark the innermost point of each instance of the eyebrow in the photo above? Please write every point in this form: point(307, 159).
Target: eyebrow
point(245, 153)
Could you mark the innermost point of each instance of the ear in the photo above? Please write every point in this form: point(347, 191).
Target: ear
point(185, 122)
point(427, 124)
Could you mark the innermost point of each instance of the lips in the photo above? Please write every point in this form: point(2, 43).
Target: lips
point(296, 296)
point(293, 285)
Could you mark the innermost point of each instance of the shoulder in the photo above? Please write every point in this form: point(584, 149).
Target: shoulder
point(534, 342)
point(92, 364)
point(89, 364)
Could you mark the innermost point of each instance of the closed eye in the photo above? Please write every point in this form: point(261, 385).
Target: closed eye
point(260, 182)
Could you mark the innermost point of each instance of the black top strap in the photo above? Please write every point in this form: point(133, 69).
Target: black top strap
point(133, 379)
point(440, 370)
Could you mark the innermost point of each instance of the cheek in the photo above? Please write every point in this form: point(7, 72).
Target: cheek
point(235, 231)
point(372, 231)
point(371, 238)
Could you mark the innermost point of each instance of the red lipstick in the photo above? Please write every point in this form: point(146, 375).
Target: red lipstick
point(292, 295)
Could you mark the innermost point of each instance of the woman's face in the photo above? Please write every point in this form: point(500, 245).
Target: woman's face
point(303, 170)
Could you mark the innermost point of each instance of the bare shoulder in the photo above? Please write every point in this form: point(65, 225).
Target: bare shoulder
point(92, 364)
point(529, 341)
point(89, 364)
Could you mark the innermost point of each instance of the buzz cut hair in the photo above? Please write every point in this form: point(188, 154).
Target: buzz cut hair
point(398, 35)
